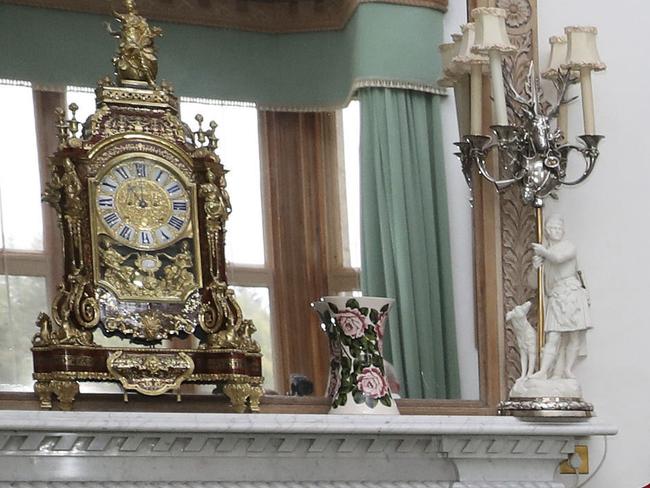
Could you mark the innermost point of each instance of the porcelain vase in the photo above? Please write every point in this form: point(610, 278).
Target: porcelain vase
point(355, 328)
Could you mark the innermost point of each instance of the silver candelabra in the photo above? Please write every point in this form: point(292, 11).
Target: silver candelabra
point(532, 152)
point(532, 155)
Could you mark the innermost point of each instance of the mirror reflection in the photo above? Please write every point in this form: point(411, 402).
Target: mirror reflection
point(421, 365)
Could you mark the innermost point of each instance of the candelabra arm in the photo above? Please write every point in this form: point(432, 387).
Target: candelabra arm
point(589, 151)
point(499, 184)
point(466, 166)
point(477, 150)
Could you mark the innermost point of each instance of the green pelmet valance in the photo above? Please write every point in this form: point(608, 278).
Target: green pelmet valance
point(382, 45)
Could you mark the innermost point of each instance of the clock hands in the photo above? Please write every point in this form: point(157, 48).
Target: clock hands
point(142, 202)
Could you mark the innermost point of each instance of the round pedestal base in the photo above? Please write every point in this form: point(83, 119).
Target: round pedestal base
point(551, 407)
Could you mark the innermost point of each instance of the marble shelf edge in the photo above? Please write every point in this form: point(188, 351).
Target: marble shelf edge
point(295, 424)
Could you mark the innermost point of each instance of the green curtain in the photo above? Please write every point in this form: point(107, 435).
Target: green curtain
point(405, 237)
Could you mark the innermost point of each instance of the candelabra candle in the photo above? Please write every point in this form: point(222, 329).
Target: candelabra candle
point(454, 76)
point(582, 55)
point(476, 94)
point(463, 107)
point(498, 92)
point(587, 93)
point(492, 40)
point(468, 61)
point(556, 60)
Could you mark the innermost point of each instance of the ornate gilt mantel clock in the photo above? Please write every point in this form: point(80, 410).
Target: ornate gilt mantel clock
point(142, 206)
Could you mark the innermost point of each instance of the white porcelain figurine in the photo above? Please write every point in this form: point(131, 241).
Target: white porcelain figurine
point(567, 303)
point(526, 338)
point(566, 317)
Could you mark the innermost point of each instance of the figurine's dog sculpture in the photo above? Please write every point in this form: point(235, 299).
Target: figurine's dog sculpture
point(526, 338)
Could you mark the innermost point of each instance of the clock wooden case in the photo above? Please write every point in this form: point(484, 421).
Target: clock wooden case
point(142, 206)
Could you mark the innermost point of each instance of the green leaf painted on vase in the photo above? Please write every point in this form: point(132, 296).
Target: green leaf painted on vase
point(333, 307)
point(364, 310)
point(352, 303)
point(358, 366)
point(384, 309)
point(385, 400)
point(358, 397)
point(343, 399)
point(374, 316)
point(346, 363)
point(371, 402)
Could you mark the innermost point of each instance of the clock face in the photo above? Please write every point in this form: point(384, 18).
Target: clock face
point(142, 204)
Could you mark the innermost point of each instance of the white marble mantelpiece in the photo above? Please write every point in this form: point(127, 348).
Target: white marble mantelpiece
point(174, 450)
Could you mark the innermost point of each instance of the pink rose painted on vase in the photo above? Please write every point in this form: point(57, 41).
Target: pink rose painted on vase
point(372, 383)
point(352, 322)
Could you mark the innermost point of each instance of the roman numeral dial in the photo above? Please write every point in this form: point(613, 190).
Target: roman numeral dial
point(142, 204)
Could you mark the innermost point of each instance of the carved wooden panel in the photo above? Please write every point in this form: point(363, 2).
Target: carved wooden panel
point(252, 15)
point(517, 220)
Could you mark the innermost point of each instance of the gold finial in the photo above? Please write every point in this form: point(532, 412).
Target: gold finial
point(73, 123)
point(212, 136)
point(136, 62)
point(62, 126)
point(200, 135)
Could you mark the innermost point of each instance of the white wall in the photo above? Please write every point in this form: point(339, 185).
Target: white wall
point(460, 229)
point(607, 218)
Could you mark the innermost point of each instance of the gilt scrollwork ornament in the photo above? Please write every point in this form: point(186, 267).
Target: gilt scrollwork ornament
point(150, 374)
point(44, 335)
point(147, 324)
point(239, 394)
point(217, 315)
point(216, 203)
point(222, 317)
point(145, 275)
point(65, 391)
point(74, 309)
point(64, 193)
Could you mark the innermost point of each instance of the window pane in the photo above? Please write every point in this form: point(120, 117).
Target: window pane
point(239, 152)
point(85, 100)
point(352, 203)
point(254, 302)
point(21, 225)
point(21, 300)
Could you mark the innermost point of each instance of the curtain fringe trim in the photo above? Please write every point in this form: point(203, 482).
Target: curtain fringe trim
point(6, 81)
point(403, 85)
point(358, 84)
point(221, 103)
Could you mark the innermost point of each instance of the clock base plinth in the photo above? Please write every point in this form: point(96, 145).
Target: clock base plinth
point(59, 368)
